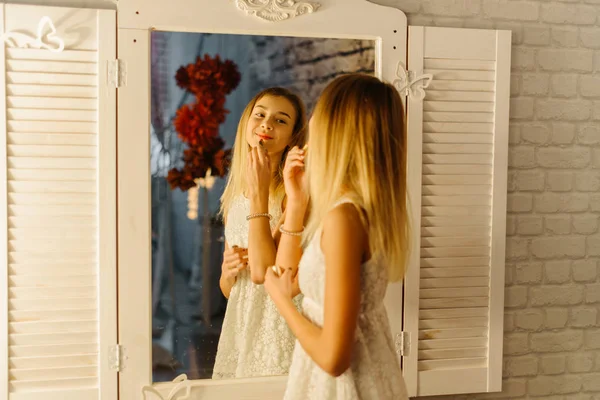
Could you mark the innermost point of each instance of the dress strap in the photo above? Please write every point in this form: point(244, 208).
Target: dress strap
point(343, 200)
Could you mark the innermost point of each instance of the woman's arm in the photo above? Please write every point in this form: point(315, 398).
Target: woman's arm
point(289, 250)
point(261, 244)
point(344, 244)
point(234, 260)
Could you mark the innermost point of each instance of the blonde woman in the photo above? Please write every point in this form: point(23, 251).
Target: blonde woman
point(356, 240)
point(255, 340)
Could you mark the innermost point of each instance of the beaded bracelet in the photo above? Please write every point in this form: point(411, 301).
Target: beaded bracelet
point(258, 215)
point(298, 233)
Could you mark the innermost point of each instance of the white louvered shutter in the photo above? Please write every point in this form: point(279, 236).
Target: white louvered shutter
point(58, 212)
point(458, 140)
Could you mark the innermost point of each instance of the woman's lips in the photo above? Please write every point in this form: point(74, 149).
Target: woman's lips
point(264, 137)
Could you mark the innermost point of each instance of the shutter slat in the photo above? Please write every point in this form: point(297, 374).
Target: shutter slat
point(444, 323)
point(51, 66)
point(53, 315)
point(455, 262)
point(431, 231)
point(57, 387)
point(38, 339)
point(456, 189)
point(460, 272)
point(57, 292)
point(17, 150)
point(474, 159)
point(63, 210)
point(453, 200)
point(78, 92)
point(56, 103)
point(449, 63)
point(53, 362)
point(466, 149)
point(52, 221)
point(453, 302)
point(436, 116)
point(451, 333)
point(469, 86)
point(52, 373)
point(16, 305)
point(52, 127)
point(56, 257)
point(451, 293)
point(65, 327)
point(76, 56)
point(461, 75)
point(53, 350)
point(452, 363)
point(452, 343)
point(458, 138)
point(455, 169)
point(456, 105)
point(454, 251)
point(51, 280)
point(433, 211)
point(457, 127)
point(452, 221)
point(52, 186)
point(52, 244)
point(51, 162)
point(448, 354)
point(462, 96)
point(44, 269)
point(427, 283)
point(445, 241)
point(453, 313)
point(50, 115)
point(52, 198)
point(40, 78)
point(52, 174)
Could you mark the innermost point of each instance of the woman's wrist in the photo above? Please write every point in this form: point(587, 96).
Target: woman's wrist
point(294, 217)
point(296, 207)
point(259, 203)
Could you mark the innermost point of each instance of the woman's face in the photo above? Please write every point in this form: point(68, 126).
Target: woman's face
point(272, 120)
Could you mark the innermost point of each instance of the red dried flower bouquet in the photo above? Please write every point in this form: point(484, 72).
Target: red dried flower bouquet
point(197, 124)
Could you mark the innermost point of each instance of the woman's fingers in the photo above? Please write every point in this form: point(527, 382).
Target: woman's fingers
point(295, 157)
point(260, 154)
point(295, 164)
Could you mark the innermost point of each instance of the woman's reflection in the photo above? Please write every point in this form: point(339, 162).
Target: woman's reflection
point(255, 340)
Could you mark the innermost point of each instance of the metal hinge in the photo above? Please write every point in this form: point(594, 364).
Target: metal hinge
point(402, 343)
point(117, 357)
point(117, 73)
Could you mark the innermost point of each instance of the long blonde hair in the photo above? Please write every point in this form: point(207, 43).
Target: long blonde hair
point(236, 181)
point(357, 147)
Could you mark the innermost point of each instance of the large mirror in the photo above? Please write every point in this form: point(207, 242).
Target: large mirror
point(188, 306)
point(171, 238)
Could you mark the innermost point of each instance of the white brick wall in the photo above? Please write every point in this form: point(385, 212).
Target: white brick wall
point(552, 310)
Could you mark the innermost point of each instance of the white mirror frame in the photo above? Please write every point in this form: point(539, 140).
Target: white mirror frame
point(357, 19)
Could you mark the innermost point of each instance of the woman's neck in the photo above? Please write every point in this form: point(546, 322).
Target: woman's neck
point(275, 160)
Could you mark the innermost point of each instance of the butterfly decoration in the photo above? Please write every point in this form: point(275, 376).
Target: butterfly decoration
point(48, 41)
point(181, 382)
point(411, 85)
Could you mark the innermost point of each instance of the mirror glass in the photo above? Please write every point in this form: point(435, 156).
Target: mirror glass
point(188, 307)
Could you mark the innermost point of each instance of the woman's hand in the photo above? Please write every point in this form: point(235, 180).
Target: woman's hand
point(294, 177)
point(258, 174)
point(280, 288)
point(235, 260)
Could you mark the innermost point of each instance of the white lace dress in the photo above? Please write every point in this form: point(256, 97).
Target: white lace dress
point(255, 340)
point(375, 372)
